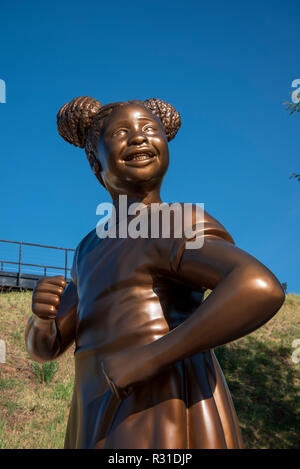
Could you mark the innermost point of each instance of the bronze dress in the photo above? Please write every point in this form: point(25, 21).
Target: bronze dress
point(129, 295)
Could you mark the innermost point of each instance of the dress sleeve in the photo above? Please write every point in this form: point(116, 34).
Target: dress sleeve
point(209, 228)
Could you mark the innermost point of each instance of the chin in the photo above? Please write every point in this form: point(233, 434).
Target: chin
point(139, 178)
point(147, 173)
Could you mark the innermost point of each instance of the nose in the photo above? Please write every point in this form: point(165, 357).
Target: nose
point(137, 138)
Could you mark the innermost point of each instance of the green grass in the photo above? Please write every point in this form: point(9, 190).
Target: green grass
point(45, 372)
point(265, 382)
point(34, 398)
point(262, 377)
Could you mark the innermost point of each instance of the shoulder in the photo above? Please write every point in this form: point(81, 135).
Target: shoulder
point(86, 243)
point(197, 223)
point(81, 247)
point(213, 227)
point(197, 220)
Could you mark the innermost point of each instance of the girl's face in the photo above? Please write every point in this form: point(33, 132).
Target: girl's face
point(132, 149)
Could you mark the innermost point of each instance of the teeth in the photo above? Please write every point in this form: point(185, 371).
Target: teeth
point(140, 156)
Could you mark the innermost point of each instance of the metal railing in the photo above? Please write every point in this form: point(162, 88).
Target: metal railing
point(20, 264)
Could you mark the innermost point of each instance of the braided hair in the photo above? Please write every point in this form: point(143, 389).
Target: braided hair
point(80, 122)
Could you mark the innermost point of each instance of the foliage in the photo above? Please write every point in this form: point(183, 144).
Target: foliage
point(293, 107)
point(263, 383)
point(45, 372)
point(295, 176)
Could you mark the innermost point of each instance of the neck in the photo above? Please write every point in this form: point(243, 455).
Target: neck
point(146, 199)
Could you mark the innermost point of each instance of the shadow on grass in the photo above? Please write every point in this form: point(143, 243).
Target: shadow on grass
point(264, 384)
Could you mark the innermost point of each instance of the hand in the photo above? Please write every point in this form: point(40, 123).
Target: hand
point(126, 369)
point(46, 296)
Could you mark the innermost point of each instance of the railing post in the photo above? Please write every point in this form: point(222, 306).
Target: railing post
point(66, 264)
point(18, 277)
point(20, 259)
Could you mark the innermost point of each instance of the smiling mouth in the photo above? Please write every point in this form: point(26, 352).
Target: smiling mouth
point(140, 156)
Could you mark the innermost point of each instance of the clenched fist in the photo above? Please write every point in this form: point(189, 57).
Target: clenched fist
point(46, 296)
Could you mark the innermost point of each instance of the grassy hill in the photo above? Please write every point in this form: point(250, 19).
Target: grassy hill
point(261, 374)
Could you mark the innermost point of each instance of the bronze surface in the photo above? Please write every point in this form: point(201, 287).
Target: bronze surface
point(145, 372)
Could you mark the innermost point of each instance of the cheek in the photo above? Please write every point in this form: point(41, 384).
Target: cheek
point(102, 154)
point(162, 146)
point(106, 156)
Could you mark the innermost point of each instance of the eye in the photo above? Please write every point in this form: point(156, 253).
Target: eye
point(149, 128)
point(119, 132)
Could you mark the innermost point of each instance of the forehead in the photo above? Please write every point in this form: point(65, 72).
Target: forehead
point(130, 113)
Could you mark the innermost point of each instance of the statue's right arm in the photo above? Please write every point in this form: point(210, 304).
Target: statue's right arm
point(52, 326)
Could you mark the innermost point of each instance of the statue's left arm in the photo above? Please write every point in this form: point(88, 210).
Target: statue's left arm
point(245, 295)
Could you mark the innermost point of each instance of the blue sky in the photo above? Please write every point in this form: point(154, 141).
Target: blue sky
point(226, 66)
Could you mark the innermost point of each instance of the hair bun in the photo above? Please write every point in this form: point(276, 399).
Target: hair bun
point(74, 119)
point(168, 115)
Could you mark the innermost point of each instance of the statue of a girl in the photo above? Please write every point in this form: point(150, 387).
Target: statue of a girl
point(145, 372)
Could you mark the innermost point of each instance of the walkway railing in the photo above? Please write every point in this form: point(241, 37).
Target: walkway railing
point(20, 267)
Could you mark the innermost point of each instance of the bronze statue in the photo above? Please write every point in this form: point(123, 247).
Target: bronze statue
point(145, 372)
